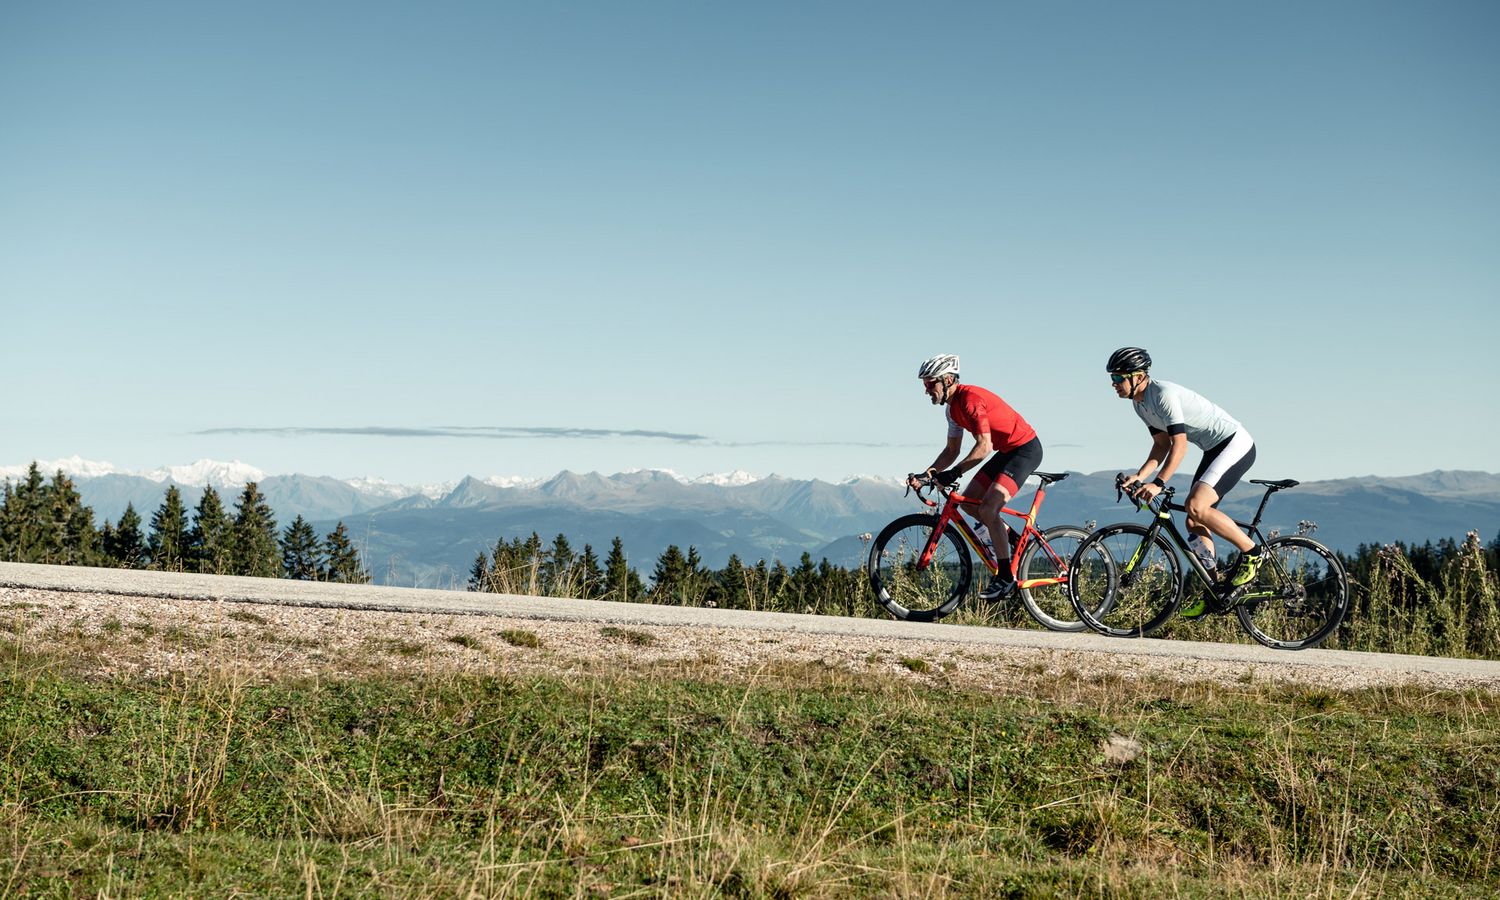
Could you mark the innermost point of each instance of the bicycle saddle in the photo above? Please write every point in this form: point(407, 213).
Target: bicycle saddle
point(1278, 485)
point(1049, 477)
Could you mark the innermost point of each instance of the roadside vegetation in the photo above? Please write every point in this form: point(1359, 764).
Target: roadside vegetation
point(804, 780)
point(1434, 599)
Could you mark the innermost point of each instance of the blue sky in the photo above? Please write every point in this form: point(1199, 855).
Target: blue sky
point(424, 240)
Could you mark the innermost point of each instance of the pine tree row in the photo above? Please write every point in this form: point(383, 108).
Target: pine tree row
point(49, 523)
point(527, 567)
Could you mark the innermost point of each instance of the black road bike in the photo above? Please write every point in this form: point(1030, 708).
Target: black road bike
point(1126, 580)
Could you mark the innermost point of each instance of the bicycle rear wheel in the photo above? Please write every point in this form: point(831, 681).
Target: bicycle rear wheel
point(1050, 604)
point(1123, 582)
point(909, 589)
point(1298, 598)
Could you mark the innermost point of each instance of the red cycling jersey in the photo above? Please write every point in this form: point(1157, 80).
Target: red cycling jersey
point(976, 410)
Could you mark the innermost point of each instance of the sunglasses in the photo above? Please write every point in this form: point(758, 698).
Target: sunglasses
point(1121, 379)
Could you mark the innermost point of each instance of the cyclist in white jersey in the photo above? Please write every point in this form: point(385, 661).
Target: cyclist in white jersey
point(1177, 417)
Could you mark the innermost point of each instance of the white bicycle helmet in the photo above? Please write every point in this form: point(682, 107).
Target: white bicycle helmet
point(938, 366)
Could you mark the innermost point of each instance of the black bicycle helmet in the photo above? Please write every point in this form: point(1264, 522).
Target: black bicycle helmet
point(1128, 359)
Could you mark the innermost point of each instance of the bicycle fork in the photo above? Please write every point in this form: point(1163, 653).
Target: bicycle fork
point(1147, 540)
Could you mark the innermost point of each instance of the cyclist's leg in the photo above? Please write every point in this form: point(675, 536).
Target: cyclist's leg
point(1221, 469)
point(993, 495)
point(996, 482)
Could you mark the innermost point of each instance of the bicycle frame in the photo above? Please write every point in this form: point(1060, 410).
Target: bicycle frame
point(1161, 507)
point(1027, 533)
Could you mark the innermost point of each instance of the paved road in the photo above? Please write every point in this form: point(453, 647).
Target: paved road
point(394, 599)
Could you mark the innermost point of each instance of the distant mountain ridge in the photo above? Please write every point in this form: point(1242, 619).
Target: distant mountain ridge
point(430, 536)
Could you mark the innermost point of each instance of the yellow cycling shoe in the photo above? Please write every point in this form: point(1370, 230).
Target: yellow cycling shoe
point(1245, 572)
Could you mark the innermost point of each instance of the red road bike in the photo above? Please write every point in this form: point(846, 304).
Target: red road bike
point(921, 565)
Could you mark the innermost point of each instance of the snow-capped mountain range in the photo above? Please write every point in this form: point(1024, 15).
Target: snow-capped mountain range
point(234, 474)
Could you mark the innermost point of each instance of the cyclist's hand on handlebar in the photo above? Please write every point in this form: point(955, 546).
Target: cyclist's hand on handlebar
point(917, 481)
point(1131, 486)
point(948, 477)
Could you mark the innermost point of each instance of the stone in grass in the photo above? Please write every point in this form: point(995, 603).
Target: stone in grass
point(1119, 749)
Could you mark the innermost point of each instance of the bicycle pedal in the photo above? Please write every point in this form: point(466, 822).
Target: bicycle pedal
point(1229, 599)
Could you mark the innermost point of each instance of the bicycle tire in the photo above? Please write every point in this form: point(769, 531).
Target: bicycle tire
point(914, 595)
point(1298, 598)
point(1049, 604)
point(1123, 586)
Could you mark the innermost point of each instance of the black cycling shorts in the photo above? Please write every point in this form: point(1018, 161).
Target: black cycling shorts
point(1011, 468)
point(1225, 464)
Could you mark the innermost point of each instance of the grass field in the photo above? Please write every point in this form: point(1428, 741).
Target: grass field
point(804, 781)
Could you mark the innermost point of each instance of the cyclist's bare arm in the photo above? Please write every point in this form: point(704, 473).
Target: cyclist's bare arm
point(1162, 449)
point(983, 447)
point(1177, 448)
point(949, 454)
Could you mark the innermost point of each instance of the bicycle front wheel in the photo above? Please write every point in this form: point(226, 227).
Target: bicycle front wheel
point(1124, 582)
point(1299, 596)
point(1042, 574)
point(910, 588)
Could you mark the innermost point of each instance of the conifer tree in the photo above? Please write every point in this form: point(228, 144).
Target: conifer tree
point(106, 540)
point(208, 546)
point(758, 586)
point(30, 532)
point(479, 574)
point(733, 592)
point(78, 541)
point(255, 550)
point(776, 586)
point(697, 587)
point(341, 560)
point(502, 567)
point(670, 579)
point(168, 542)
point(557, 568)
point(528, 564)
point(592, 576)
point(517, 566)
point(800, 587)
point(123, 544)
point(41, 523)
point(301, 552)
point(621, 582)
point(8, 507)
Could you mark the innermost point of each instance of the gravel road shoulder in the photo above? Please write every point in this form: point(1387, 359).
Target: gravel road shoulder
point(132, 635)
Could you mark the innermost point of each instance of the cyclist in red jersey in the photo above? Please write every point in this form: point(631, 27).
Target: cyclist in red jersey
point(1000, 435)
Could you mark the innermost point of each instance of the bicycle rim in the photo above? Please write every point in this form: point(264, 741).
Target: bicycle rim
point(1049, 604)
point(912, 591)
point(1299, 596)
point(1123, 585)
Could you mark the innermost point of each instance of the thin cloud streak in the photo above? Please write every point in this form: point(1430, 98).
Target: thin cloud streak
point(511, 433)
point(491, 433)
point(865, 444)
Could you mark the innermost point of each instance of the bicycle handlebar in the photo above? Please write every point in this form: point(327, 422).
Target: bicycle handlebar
point(927, 483)
point(1155, 504)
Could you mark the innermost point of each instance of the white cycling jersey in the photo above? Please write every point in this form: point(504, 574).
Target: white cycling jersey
point(1172, 408)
